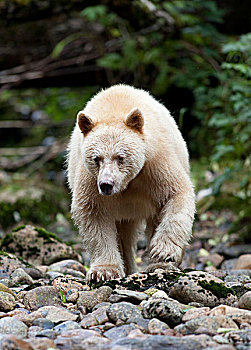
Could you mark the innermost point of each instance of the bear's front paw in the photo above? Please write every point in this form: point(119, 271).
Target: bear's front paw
point(165, 252)
point(104, 272)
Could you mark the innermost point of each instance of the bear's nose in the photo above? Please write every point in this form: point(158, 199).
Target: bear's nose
point(106, 187)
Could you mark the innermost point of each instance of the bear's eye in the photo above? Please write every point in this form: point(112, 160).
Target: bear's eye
point(120, 159)
point(97, 160)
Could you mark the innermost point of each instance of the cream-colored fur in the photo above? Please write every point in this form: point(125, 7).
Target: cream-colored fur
point(126, 138)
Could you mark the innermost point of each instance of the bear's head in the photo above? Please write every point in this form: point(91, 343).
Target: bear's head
point(113, 152)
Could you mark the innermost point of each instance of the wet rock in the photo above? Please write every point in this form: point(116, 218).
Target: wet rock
point(41, 343)
point(239, 273)
point(65, 265)
point(9, 325)
point(160, 294)
point(240, 338)
point(238, 315)
point(215, 259)
point(33, 331)
point(136, 333)
point(97, 317)
point(19, 276)
point(206, 324)
point(120, 332)
point(57, 314)
point(34, 272)
point(94, 342)
point(122, 311)
point(142, 323)
point(65, 284)
point(38, 246)
point(116, 298)
point(220, 339)
point(101, 314)
point(28, 318)
point(233, 251)
point(53, 275)
point(89, 299)
point(228, 264)
point(194, 313)
point(156, 326)
point(48, 333)
point(41, 296)
point(9, 263)
point(72, 296)
point(12, 342)
point(159, 342)
point(73, 339)
point(245, 301)
point(43, 323)
point(66, 326)
point(203, 288)
point(134, 297)
point(4, 288)
point(165, 310)
point(243, 262)
point(104, 303)
point(7, 302)
point(88, 321)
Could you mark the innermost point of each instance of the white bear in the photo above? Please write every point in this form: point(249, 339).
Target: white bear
point(127, 165)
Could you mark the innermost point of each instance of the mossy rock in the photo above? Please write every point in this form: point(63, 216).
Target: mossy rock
point(10, 262)
point(37, 246)
point(204, 288)
point(142, 281)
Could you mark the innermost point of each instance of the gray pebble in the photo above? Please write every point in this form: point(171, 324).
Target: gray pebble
point(245, 301)
point(7, 301)
point(122, 311)
point(165, 310)
point(119, 332)
point(9, 325)
point(19, 276)
point(66, 326)
point(43, 323)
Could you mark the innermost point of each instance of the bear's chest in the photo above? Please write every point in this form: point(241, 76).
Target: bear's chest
point(132, 206)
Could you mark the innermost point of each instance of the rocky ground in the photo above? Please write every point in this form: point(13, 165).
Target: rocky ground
point(46, 304)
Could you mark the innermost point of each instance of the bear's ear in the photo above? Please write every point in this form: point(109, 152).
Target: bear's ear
point(85, 123)
point(135, 120)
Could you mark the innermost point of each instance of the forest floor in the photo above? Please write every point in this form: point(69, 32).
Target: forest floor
point(45, 302)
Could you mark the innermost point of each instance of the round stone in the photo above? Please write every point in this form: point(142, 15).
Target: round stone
point(7, 302)
point(122, 311)
point(9, 325)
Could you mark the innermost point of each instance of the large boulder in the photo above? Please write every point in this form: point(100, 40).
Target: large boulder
point(37, 246)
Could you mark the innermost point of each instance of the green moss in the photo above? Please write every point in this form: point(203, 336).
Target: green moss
point(135, 283)
point(18, 228)
point(218, 289)
point(5, 254)
point(7, 239)
point(47, 235)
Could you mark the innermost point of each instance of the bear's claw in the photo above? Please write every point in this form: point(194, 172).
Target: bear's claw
point(104, 273)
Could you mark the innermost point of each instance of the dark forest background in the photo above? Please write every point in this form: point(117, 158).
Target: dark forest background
point(194, 56)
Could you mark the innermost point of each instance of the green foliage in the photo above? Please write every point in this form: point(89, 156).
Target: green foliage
point(63, 43)
point(56, 103)
point(229, 106)
point(184, 49)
